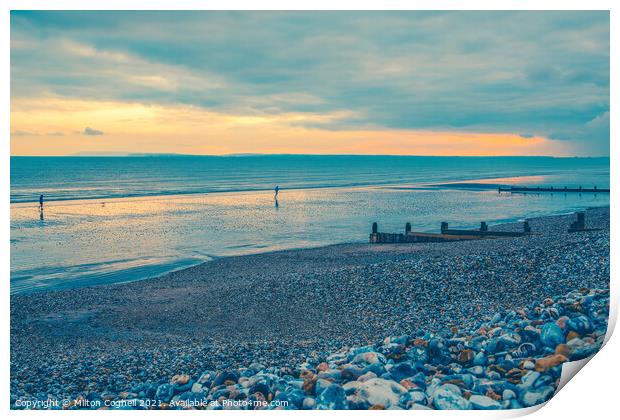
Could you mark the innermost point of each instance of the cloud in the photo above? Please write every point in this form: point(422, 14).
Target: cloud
point(593, 137)
point(22, 133)
point(92, 132)
point(515, 72)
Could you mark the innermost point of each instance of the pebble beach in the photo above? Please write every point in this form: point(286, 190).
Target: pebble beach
point(482, 324)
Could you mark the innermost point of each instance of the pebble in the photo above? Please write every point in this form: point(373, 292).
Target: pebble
point(381, 392)
point(532, 398)
point(551, 335)
point(480, 359)
point(309, 403)
point(180, 379)
point(548, 362)
point(508, 394)
point(529, 365)
point(448, 397)
point(529, 379)
point(332, 398)
point(482, 402)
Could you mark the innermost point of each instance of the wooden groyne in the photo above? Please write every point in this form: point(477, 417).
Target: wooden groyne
point(397, 238)
point(451, 235)
point(484, 231)
point(552, 189)
point(446, 235)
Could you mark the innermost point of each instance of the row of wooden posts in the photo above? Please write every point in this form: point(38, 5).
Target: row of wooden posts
point(449, 235)
point(552, 189)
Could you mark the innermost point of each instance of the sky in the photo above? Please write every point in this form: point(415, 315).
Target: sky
point(406, 83)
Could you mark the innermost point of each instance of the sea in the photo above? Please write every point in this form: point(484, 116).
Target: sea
point(120, 219)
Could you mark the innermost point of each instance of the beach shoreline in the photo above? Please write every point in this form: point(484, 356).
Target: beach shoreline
point(498, 224)
point(279, 308)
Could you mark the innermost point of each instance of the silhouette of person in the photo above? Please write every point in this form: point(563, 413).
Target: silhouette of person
point(275, 196)
point(41, 207)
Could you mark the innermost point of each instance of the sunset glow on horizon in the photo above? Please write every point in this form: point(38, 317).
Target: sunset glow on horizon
point(54, 128)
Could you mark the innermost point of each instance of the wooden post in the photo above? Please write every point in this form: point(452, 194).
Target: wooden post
point(578, 225)
point(444, 227)
point(407, 228)
point(581, 220)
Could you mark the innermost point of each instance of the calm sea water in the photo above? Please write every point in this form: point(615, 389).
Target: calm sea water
point(118, 219)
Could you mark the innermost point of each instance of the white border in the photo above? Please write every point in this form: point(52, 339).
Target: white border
point(593, 395)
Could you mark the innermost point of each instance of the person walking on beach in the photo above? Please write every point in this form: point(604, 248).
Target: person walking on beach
point(275, 196)
point(41, 207)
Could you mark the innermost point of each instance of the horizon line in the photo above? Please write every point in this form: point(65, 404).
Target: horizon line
point(78, 155)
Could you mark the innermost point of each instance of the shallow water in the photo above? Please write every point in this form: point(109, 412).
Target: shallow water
point(119, 237)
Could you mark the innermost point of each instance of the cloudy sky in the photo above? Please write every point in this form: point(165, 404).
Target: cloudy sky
point(421, 83)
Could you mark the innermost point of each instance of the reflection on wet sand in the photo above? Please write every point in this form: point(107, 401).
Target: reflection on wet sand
point(124, 239)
